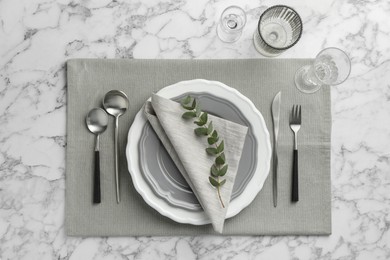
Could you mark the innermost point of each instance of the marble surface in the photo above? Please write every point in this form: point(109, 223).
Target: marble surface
point(38, 36)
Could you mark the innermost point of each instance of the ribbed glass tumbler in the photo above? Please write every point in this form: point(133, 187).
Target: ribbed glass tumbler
point(279, 28)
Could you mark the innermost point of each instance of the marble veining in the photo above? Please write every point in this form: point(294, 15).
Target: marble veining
point(38, 36)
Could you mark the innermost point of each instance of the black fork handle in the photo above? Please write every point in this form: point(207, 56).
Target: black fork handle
point(295, 190)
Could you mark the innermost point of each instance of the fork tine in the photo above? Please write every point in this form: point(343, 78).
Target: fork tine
point(295, 113)
point(292, 115)
point(299, 114)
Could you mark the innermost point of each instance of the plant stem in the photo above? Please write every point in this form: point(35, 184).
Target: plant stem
point(219, 195)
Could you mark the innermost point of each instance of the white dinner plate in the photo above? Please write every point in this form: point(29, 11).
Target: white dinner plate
point(173, 199)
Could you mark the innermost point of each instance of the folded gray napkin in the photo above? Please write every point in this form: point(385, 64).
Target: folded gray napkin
point(187, 150)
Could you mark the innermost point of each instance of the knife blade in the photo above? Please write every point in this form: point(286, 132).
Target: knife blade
point(275, 109)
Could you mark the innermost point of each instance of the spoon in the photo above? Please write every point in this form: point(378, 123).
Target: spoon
point(116, 103)
point(97, 121)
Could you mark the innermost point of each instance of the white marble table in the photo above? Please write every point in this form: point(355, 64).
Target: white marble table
point(38, 36)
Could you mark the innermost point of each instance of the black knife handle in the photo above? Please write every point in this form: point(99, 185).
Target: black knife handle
point(96, 180)
point(295, 190)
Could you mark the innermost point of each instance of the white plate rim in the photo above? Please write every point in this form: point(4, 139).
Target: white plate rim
point(253, 187)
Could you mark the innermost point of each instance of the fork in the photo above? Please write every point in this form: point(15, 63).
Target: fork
point(295, 125)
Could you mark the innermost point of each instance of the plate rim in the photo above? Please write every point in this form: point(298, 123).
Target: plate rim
point(182, 215)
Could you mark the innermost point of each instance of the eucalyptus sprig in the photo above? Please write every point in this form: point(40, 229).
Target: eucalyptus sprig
point(216, 147)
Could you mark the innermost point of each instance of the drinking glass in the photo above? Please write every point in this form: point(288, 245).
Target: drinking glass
point(279, 28)
point(232, 22)
point(331, 67)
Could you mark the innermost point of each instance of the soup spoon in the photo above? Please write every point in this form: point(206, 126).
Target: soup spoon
point(116, 103)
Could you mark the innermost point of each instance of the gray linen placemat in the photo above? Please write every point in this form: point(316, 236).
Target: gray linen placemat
point(258, 79)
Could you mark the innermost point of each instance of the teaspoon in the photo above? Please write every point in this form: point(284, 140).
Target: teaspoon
point(116, 103)
point(97, 121)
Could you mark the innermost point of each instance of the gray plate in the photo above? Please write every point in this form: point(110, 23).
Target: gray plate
point(165, 179)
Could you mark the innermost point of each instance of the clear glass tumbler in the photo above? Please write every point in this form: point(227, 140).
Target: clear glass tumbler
point(279, 28)
point(231, 24)
point(331, 67)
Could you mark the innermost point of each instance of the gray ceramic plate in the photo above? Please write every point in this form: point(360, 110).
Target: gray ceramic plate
point(161, 173)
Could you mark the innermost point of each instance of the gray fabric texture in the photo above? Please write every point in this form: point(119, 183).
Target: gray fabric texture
point(166, 121)
point(258, 79)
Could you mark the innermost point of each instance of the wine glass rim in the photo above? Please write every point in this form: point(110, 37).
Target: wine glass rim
point(291, 44)
point(348, 59)
point(234, 6)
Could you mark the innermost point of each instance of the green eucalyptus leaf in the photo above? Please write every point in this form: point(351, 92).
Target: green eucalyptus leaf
point(213, 181)
point(212, 151)
point(222, 182)
point(220, 160)
point(200, 123)
point(214, 171)
point(188, 115)
point(221, 146)
point(210, 128)
point(223, 170)
point(193, 104)
point(211, 140)
point(197, 110)
point(214, 134)
point(203, 117)
point(200, 131)
point(186, 100)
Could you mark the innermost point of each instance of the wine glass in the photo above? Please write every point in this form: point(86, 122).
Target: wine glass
point(331, 67)
point(232, 22)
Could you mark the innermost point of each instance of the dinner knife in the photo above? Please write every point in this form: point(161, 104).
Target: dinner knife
point(275, 109)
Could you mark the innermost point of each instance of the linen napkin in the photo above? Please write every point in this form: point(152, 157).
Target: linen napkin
point(187, 150)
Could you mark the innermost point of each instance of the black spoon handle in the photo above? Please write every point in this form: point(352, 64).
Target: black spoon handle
point(96, 180)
